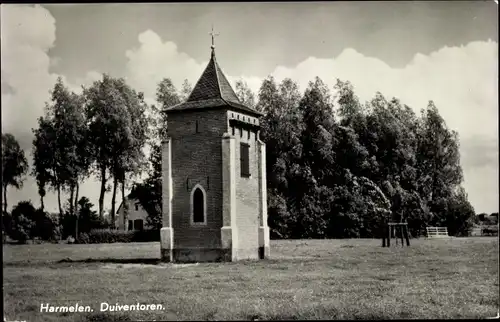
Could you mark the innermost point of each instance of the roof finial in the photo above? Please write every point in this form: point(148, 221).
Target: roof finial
point(213, 34)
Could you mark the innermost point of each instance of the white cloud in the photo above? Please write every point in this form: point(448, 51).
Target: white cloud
point(462, 81)
point(76, 84)
point(27, 33)
point(154, 59)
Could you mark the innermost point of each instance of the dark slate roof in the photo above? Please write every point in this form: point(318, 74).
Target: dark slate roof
point(212, 91)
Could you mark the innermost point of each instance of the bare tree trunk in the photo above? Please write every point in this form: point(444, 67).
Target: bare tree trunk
point(125, 207)
point(71, 197)
point(5, 198)
point(59, 200)
point(60, 208)
point(42, 205)
point(103, 190)
point(76, 209)
point(113, 200)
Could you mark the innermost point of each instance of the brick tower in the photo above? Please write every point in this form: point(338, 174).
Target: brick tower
point(214, 176)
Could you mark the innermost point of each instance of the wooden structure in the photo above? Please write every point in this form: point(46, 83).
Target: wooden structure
point(392, 231)
point(437, 232)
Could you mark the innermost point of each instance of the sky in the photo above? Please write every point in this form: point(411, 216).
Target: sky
point(416, 51)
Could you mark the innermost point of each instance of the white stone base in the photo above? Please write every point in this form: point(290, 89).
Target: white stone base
point(167, 243)
point(264, 238)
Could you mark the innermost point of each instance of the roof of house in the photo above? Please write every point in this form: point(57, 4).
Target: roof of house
point(121, 203)
point(212, 91)
point(158, 208)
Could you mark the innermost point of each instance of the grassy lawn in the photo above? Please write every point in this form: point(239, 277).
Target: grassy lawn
point(305, 279)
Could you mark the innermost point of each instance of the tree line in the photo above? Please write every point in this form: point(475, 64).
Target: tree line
point(336, 167)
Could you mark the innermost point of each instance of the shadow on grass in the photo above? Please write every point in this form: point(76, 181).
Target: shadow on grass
point(145, 261)
point(149, 261)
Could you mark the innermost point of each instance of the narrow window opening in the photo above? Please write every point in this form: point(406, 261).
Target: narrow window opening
point(130, 225)
point(197, 127)
point(245, 159)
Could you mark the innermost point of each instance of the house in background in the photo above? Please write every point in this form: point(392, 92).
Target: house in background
point(136, 216)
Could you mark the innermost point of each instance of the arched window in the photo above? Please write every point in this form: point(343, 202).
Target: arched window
point(198, 206)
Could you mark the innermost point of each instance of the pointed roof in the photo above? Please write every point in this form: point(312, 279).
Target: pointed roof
point(212, 91)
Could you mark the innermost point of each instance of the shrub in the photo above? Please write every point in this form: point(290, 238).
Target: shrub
point(46, 227)
point(21, 229)
point(83, 238)
point(104, 236)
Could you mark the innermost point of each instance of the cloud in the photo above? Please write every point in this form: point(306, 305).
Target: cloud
point(27, 33)
point(154, 59)
point(462, 82)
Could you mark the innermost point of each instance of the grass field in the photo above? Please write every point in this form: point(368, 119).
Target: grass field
point(305, 279)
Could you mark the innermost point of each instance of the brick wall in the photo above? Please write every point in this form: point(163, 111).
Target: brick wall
point(197, 159)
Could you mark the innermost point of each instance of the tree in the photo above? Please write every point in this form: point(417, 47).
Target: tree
point(460, 215)
point(383, 148)
point(166, 96)
point(245, 94)
point(186, 90)
point(280, 130)
point(88, 218)
point(128, 140)
point(46, 168)
point(21, 229)
point(494, 218)
point(439, 173)
point(23, 221)
point(43, 152)
point(319, 126)
point(45, 227)
point(61, 147)
point(14, 165)
point(108, 118)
